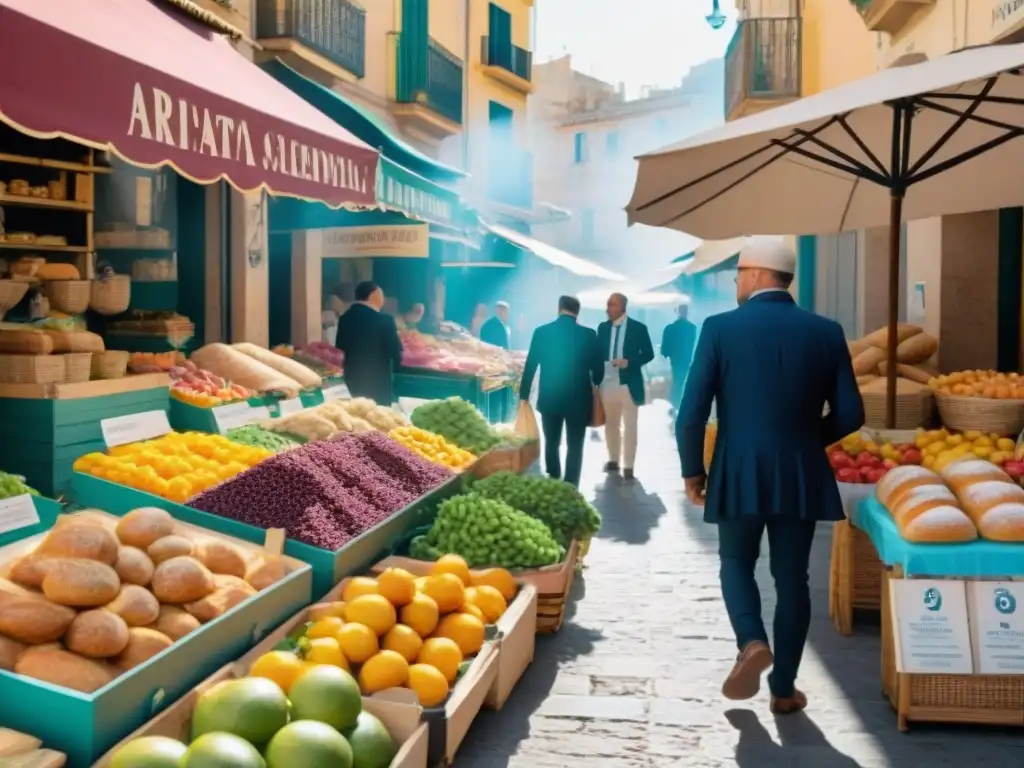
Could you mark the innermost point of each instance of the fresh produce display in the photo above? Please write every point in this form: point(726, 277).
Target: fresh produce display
point(14, 485)
point(256, 436)
point(338, 417)
point(315, 364)
point(858, 459)
point(283, 365)
point(924, 509)
point(202, 388)
point(114, 592)
point(155, 362)
point(457, 422)
point(326, 493)
point(455, 350)
point(940, 447)
point(397, 630)
point(557, 504)
point(988, 384)
point(325, 353)
point(176, 466)
point(432, 447)
point(487, 531)
point(317, 721)
point(238, 367)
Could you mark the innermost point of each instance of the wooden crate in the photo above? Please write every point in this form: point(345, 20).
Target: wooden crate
point(968, 699)
point(553, 596)
point(516, 460)
point(855, 576)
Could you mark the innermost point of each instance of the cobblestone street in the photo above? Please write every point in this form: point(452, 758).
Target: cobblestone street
point(632, 679)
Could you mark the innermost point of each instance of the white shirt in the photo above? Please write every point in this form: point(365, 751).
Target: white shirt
point(616, 341)
point(767, 290)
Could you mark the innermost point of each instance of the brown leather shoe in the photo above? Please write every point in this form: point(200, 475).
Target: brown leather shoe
point(745, 679)
point(789, 704)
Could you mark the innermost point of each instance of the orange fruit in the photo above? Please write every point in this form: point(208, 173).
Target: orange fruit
point(403, 640)
point(499, 578)
point(384, 670)
point(454, 565)
point(445, 589)
point(444, 654)
point(325, 627)
point(489, 600)
point(472, 610)
point(283, 667)
point(397, 585)
point(358, 586)
point(428, 683)
point(420, 581)
point(467, 631)
point(320, 610)
point(421, 614)
point(326, 650)
point(373, 611)
point(357, 642)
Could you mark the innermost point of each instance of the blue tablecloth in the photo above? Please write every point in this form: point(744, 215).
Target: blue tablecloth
point(977, 559)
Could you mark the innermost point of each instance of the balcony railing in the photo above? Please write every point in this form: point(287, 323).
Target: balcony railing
point(441, 87)
point(510, 176)
point(763, 62)
point(336, 29)
point(495, 52)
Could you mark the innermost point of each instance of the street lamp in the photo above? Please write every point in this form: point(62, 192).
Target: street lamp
point(715, 19)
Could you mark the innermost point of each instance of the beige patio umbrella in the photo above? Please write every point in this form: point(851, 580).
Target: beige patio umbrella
point(922, 140)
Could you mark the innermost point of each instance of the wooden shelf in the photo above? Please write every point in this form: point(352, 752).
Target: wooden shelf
point(44, 202)
point(135, 248)
point(36, 247)
point(59, 165)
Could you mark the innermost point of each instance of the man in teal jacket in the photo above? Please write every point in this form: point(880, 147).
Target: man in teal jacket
point(771, 369)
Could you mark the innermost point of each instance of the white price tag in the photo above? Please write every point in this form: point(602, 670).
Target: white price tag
point(291, 405)
point(17, 512)
point(238, 415)
point(134, 427)
point(337, 392)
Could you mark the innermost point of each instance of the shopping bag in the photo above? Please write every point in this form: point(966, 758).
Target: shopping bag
point(597, 417)
point(526, 422)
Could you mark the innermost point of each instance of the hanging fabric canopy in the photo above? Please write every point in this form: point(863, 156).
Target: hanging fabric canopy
point(554, 256)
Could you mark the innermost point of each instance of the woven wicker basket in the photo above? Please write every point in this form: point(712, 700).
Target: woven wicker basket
point(77, 367)
point(75, 341)
point(112, 295)
point(109, 365)
point(11, 292)
point(70, 296)
point(31, 369)
point(912, 411)
point(1004, 417)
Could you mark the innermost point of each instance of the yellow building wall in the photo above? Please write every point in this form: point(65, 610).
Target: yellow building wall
point(836, 47)
point(448, 25)
point(381, 20)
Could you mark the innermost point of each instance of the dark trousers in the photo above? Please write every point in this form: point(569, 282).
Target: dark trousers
point(678, 382)
point(789, 550)
point(575, 431)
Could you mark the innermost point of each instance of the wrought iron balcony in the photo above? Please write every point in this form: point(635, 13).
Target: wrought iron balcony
point(507, 63)
point(762, 65)
point(889, 15)
point(510, 177)
point(435, 85)
point(333, 29)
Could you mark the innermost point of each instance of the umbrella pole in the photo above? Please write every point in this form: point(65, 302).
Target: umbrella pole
point(895, 222)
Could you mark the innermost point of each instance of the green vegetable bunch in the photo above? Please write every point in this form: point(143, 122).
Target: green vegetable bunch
point(487, 532)
point(457, 422)
point(257, 437)
point(557, 504)
point(13, 485)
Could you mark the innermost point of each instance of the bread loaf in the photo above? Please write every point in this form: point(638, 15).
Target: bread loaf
point(898, 481)
point(221, 557)
point(880, 338)
point(30, 618)
point(175, 622)
point(59, 667)
point(942, 524)
point(143, 644)
point(182, 580)
point(266, 571)
point(168, 547)
point(1003, 522)
point(142, 526)
point(238, 368)
point(283, 365)
point(80, 583)
point(978, 498)
point(969, 471)
point(30, 570)
point(81, 539)
point(920, 499)
point(867, 361)
point(136, 605)
point(97, 634)
point(230, 592)
point(10, 650)
point(134, 566)
point(917, 348)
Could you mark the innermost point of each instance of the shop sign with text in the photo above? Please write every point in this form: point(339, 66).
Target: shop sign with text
point(1006, 15)
point(398, 242)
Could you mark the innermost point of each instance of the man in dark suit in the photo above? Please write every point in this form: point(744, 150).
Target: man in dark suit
point(625, 348)
point(496, 331)
point(369, 340)
point(771, 368)
point(677, 342)
point(570, 365)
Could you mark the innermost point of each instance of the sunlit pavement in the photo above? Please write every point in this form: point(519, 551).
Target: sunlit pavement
point(632, 679)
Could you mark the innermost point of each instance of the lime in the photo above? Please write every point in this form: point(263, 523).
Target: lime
point(371, 743)
point(222, 750)
point(309, 744)
point(327, 694)
point(149, 752)
point(251, 707)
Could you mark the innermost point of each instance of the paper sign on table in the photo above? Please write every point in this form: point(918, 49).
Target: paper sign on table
point(17, 512)
point(238, 415)
point(291, 405)
point(930, 627)
point(337, 392)
point(997, 626)
point(134, 427)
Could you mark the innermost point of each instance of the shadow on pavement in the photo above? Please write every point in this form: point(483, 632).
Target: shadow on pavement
point(756, 748)
point(628, 510)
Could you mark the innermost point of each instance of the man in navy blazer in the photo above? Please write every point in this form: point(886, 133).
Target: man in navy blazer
point(626, 346)
point(770, 368)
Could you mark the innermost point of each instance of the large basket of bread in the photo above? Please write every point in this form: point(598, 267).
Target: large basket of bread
point(915, 352)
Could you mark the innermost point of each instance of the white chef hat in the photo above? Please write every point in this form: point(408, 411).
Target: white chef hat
point(767, 253)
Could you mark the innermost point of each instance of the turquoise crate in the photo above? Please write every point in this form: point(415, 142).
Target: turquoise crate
point(312, 397)
point(185, 417)
point(84, 726)
point(47, 509)
point(431, 385)
point(329, 568)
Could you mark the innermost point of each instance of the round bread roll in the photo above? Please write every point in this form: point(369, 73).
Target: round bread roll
point(230, 591)
point(899, 480)
point(134, 566)
point(81, 539)
point(182, 580)
point(224, 558)
point(54, 665)
point(978, 498)
point(175, 622)
point(142, 526)
point(29, 617)
point(30, 570)
point(942, 524)
point(920, 499)
point(969, 471)
point(10, 650)
point(266, 571)
point(136, 605)
point(168, 547)
point(80, 583)
point(98, 634)
point(1003, 522)
point(143, 644)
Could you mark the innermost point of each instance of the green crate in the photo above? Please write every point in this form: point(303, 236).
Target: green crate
point(329, 568)
point(185, 417)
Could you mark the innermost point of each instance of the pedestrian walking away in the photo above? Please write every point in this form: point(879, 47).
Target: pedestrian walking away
point(626, 347)
point(677, 343)
point(569, 361)
point(771, 368)
point(369, 340)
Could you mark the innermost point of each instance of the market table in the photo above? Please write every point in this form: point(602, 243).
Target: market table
point(422, 384)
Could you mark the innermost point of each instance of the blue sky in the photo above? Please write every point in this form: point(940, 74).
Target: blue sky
point(639, 42)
